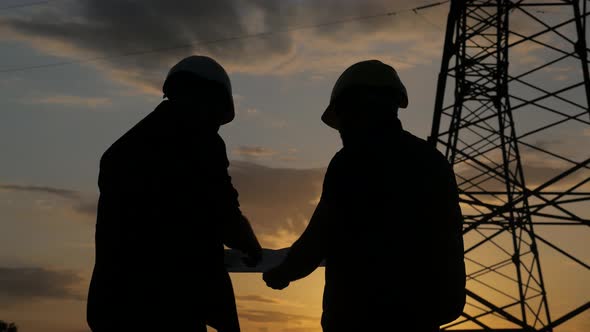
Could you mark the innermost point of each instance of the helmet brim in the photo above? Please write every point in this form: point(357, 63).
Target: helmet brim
point(229, 115)
point(330, 117)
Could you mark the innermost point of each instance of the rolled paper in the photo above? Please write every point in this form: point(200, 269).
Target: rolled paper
point(270, 258)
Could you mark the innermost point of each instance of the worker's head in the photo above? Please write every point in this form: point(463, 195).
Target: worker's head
point(201, 81)
point(365, 98)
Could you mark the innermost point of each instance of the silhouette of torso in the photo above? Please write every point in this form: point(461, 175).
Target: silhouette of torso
point(159, 251)
point(389, 230)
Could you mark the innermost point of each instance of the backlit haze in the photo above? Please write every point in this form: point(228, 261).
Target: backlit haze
point(107, 60)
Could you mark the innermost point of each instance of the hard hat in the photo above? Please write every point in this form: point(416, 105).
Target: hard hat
point(368, 73)
point(208, 69)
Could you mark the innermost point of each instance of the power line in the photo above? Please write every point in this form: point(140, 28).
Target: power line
point(429, 22)
point(227, 39)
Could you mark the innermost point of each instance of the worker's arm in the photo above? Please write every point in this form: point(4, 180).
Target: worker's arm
point(451, 254)
point(234, 227)
point(238, 234)
point(305, 254)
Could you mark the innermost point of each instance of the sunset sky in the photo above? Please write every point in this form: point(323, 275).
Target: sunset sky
point(76, 74)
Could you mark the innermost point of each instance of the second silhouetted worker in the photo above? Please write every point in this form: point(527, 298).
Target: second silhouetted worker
point(388, 223)
point(166, 208)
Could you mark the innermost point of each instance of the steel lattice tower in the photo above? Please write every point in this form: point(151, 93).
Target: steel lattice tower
point(516, 129)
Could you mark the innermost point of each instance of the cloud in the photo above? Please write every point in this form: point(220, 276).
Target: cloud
point(258, 299)
point(267, 316)
point(278, 201)
point(278, 124)
point(535, 172)
point(64, 100)
point(251, 112)
point(78, 201)
point(288, 158)
point(257, 153)
point(26, 283)
point(86, 206)
point(156, 34)
point(290, 155)
point(254, 151)
point(64, 193)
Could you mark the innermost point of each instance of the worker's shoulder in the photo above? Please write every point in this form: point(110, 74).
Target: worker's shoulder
point(134, 138)
point(422, 150)
point(338, 158)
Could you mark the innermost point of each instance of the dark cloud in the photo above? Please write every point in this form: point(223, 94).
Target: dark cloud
point(21, 284)
point(79, 202)
point(86, 206)
point(98, 28)
point(549, 144)
point(539, 174)
point(64, 193)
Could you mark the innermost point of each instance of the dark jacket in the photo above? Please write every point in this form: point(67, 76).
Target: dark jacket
point(388, 225)
point(166, 207)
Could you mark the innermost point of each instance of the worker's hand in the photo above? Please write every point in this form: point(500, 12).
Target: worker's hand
point(253, 258)
point(273, 280)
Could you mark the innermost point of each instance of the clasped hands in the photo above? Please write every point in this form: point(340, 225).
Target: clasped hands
point(272, 277)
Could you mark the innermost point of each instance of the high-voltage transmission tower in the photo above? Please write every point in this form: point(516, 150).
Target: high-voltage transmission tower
point(512, 116)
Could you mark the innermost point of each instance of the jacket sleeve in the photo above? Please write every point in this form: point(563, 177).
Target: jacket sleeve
point(236, 231)
point(308, 252)
point(452, 292)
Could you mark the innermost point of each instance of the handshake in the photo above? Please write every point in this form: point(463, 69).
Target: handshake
point(274, 280)
point(266, 261)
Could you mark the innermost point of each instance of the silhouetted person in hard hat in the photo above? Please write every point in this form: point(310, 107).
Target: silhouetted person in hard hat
point(388, 223)
point(166, 208)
